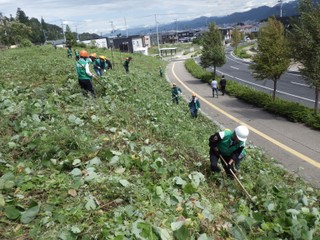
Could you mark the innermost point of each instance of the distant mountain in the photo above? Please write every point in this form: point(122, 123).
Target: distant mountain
point(253, 15)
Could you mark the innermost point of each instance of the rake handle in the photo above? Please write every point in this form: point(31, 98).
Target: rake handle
point(235, 176)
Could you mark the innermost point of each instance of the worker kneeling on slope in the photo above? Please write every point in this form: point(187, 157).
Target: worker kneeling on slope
point(230, 145)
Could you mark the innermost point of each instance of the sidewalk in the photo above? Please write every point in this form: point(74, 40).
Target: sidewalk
point(293, 145)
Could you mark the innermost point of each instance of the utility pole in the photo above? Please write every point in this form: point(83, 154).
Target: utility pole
point(125, 22)
point(112, 28)
point(77, 33)
point(157, 29)
point(176, 20)
point(281, 3)
point(64, 34)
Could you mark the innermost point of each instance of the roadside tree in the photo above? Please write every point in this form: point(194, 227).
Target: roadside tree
point(272, 58)
point(213, 53)
point(305, 41)
point(235, 38)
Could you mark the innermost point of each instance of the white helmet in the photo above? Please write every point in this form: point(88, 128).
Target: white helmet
point(242, 132)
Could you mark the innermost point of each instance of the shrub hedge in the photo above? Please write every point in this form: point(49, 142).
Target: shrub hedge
point(292, 111)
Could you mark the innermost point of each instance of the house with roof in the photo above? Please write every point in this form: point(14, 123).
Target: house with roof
point(131, 44)
point(100, 43)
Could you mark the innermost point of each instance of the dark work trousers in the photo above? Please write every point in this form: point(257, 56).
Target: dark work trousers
point(86, 86)
point(214, 164)
point(175, 99)
point(223, 89)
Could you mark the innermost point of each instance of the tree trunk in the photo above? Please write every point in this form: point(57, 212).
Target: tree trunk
point(274, 89)
point(317, 90)
point(214, 71)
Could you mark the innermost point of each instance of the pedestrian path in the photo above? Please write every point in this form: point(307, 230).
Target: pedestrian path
point(293, 145)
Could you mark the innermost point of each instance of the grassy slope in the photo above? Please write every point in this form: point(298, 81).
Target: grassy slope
point(127, 165)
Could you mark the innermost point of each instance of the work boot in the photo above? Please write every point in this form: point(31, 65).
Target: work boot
point(215, 169)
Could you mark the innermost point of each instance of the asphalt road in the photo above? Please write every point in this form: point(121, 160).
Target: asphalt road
point(291, 86)
point(293, 145)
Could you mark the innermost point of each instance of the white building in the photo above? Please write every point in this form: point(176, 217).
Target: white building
point(100, 43)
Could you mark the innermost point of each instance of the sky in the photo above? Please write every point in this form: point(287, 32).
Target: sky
point(101, 16)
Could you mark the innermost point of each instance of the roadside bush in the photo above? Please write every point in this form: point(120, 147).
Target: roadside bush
point(197, 71)
point(24, 43)
point(292, 111)
point(80, 45)
point(244, 54)
point(313, 121)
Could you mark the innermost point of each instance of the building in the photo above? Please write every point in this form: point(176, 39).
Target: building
point(60, 43)
point(146, 41)
point(100, 43)
point(130, 44)
point(226, 34)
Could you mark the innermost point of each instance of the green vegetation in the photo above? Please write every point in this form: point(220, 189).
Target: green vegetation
point(14, 30)
point(241, 51)
point(197, 71)
point(128, 164)
point(213, 53)
point(292, 111)
point(236, 38)
point(305, 43)
point(272, 58)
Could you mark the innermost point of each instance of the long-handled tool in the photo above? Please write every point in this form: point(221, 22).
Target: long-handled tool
point(235, 176)
point(98, 81)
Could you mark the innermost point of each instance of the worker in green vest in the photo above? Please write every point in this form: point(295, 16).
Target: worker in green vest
point(69, 52)
point(230, 145)
point(194, 105)
point(84, 74)
point(77, 55)
point(175, 92)
point(126, 64)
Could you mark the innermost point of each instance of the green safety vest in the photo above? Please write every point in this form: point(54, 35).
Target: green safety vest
point(224, 145)
point(81, 69)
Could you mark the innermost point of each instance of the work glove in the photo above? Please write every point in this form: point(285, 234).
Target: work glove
point(231, 166)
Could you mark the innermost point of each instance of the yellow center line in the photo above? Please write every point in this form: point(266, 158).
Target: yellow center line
point(261, 134)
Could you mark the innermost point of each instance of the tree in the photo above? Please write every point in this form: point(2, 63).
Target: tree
point(305, 43)
point(213, 53)
point(19, 31)
point(70, 37)
point(22, 17)
point(53, 32)
point(272, 58)
point(235, 38)
point(37, 36)
point(12, 32)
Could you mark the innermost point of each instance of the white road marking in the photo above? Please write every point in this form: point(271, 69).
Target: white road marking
point(267, 88)
point(300, 84)
point(234, 67)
